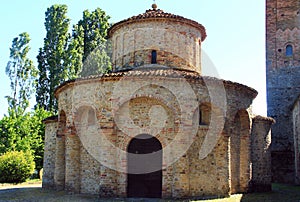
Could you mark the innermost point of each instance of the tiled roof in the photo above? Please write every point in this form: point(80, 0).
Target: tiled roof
point(263, 118)
point(157, 14)
point(155, 71)
point(51, 119)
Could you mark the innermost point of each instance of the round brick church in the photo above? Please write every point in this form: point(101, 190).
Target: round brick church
point(155, 127)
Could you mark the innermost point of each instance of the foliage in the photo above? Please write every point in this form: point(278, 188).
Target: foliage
point(91, 32)
point(63, 55)
point(53, 67)
point(42, 84)
point(24, 132)
point(61, 58)
point(21, 72)
point(16, 167)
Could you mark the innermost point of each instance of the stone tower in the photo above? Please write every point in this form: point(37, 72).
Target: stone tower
point(138, 41)
point(283, 81)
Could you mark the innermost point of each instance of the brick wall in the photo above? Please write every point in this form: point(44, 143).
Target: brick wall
point(261, 154)
point(82, 153)
point(283, 81)
point(296, 128)
point(176, 45)
point(49, 155)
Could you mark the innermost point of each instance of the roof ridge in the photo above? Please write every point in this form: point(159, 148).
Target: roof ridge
point(158, 14)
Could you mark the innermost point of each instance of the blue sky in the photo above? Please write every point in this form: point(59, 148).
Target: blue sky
point(235, 29)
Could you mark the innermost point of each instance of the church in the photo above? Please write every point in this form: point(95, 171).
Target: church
point(156, 127)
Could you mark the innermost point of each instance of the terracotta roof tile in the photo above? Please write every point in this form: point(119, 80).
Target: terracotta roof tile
point(158, 14)
point(51, 119)
point(151, 71)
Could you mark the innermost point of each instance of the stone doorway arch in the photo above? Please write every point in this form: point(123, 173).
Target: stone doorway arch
point(144, 184)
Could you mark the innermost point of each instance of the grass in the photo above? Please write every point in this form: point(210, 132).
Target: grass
point(28, 182)
point(280, 193)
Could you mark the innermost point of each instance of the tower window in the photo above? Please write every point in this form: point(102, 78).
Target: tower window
point(204, 114)
point(153, 57)
point(289, 50)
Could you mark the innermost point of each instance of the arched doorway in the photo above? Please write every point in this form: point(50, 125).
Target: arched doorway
point(144, 184)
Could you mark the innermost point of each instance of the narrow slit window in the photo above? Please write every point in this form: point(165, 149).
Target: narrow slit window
point(200, 117)
point(289, 50)
point(153, 57)
point(91, 117)
point(204, 114)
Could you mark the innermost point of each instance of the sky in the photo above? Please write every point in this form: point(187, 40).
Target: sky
point(235, 29)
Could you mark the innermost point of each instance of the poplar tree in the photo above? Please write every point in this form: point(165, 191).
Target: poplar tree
point(92, 31)
point(63, 54)
point(21, 72)
point(52, 62)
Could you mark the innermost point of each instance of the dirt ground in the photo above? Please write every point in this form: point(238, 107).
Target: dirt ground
point(31, 192)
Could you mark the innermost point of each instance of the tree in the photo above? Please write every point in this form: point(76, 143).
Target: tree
point(24, 132)
point(91, 32)
point(21, 72)
point(75, 51)
point(16, 167)
point(53, 67)
point(63, 55)
point(42, 84)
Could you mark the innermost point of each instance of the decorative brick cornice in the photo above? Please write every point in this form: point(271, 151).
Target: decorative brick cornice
point(157, 72)
point(51, 119)
point(158, 15)
point(263, 118)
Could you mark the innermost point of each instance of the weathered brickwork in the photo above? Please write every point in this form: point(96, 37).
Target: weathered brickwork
point(296, 129)
point(204, 125)
point(176, 46)
point(261, 154)
point(50, 148)
point(283, 81)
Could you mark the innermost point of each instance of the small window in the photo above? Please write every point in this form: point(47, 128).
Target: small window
point(289, 50)
point(204, 114)
point(200, 117)
point(91, 117)
point(153, 57)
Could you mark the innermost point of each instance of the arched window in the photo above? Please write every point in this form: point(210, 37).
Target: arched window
point(86, 116)
point(153, 57)
point(289, 50)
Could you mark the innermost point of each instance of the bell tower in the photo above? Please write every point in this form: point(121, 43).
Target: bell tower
point(283, 81)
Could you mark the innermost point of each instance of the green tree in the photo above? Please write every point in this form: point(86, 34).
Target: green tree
point(42, 84)
point(91, 32)
point(75, 52)
point(16, 167)
point(21, 72)
point(53, 67)
point(24, 132)
point(63, 55)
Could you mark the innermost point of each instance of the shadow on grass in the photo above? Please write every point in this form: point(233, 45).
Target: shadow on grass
point(280, 193)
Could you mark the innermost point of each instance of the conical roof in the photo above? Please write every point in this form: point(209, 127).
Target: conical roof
point(155, 14)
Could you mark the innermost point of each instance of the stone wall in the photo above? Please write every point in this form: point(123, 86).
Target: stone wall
point(49, 154)
point(296, 128)
point(91, 128)
point(261, 154)
point(240, 152)
point(176, 46)
point(283, 81)
point(60, 152)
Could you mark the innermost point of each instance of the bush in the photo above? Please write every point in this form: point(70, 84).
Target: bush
point(16, 167)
